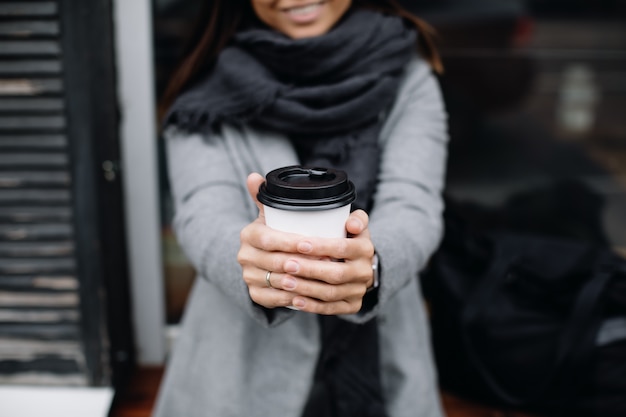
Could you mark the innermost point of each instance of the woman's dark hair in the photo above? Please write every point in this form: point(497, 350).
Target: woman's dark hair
point(219, 20)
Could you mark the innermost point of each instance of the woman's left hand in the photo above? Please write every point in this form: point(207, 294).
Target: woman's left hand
point(333, 287)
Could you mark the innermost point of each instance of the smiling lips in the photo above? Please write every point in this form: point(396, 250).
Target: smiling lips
point(304, 14)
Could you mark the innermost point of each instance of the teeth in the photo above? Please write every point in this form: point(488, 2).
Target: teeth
point(304, 9)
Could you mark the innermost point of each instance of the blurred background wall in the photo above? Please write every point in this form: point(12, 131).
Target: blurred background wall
point(536, 92)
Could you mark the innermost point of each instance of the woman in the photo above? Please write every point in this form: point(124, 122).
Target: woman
point(338, 83)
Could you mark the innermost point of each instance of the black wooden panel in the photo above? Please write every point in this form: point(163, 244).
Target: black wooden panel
point(20, 104)
point(98, 207)
point(41, 141)
point(39, 249)
point(51, 316)
point(38, 300)
point(51, 364)
point(20, 29)
point(20, 9)
point(14, 179)
point(23, 67)
point(41, 282)
point(30, 214)
point(29, 349)
point(32, 159)
point(17, 123)
point(30, 87)
point(30, 196)
point(36, 265)
point(27, 232)
point(30, 48)
point(40, 331)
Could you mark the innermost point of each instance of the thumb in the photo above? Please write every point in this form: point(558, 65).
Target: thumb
point(253, 183)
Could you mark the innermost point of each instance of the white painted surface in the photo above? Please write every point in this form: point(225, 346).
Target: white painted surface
point(133, 31)
point(54, 402)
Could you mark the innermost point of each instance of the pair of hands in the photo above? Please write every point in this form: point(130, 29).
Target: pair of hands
point(302, 275)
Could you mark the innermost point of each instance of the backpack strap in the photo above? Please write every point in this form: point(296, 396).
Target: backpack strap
point(579, 337)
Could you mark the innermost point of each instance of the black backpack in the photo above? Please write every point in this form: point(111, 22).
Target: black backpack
point(524, 320)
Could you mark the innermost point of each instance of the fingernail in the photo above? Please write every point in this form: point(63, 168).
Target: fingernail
point(298, 303)
point(292, 267)
point(357, 223)
point(305, 247)
point(288, 283)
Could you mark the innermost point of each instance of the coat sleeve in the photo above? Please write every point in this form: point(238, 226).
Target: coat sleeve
point(211, 207)
point(406, 220)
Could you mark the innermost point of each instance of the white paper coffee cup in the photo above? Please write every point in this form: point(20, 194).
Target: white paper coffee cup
point(323, 223)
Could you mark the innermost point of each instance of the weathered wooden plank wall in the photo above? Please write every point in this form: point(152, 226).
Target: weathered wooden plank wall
point(40, 335)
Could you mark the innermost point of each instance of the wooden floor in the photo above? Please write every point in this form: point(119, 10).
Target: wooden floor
point(138, 399)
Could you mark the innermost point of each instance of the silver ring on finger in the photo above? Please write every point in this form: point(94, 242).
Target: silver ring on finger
point(267, 279)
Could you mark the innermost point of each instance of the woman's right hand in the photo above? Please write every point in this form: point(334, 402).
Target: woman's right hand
point(262, 250)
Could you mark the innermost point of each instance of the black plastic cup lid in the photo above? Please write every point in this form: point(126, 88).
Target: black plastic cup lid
point(300, 188)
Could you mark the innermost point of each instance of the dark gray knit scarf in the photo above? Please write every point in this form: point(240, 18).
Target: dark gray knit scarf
point(327, 93)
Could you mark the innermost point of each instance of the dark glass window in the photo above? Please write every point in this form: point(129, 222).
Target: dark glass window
point(536, 92)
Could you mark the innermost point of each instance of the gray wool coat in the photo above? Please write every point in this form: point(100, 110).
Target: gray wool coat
point(229, 361)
